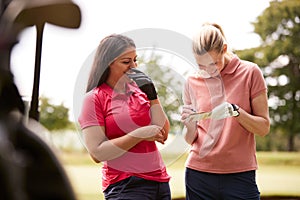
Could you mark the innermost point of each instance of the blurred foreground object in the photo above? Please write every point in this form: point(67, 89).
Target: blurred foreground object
point(29, 169)
point(20, 14)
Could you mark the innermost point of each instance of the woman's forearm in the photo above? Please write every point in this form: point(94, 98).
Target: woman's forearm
point(189, 135)
point(158, 117)
point(102, 149)
point(258, 122)
point(254, 124)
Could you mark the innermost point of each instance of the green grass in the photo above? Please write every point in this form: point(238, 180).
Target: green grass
point(279, 158)
point(86, 181)
point(278, 174)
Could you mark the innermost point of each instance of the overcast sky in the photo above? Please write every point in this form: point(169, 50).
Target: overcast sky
point(65, 50)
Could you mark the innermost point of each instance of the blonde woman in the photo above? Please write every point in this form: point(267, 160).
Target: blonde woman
point(222, 159)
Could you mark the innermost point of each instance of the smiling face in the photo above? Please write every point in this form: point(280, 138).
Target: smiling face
point(211, 62)
point(122, 64)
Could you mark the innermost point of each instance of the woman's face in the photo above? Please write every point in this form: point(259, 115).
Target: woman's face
point(212, 63)
point(123, 63)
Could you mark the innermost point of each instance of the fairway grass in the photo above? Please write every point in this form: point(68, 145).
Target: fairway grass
point(86, 181)
point(279, 180)
point(278, 174)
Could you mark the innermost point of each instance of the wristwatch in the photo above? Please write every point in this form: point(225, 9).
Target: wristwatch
point(236, 108)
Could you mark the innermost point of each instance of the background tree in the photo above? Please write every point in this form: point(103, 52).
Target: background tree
point(279, 56)
point(169, 85)
point(54, 117)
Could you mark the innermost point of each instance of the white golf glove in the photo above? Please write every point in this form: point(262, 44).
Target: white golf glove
point(224, 110)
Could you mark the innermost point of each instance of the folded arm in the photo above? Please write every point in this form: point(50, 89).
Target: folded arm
point(159, 118)
point(103, 149)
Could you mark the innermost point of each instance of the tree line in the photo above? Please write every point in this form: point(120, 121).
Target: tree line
point(278, 57)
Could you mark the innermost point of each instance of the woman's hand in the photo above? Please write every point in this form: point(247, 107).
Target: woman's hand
point(187, 110)
point(102, 149)
point(144, 82)
point(191, 126)
point(149, 133)
point(224, 110)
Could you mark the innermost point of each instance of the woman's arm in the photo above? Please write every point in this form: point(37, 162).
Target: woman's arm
point(258, 122)
point(102, 149)
point(190, 133)
point(159, 118)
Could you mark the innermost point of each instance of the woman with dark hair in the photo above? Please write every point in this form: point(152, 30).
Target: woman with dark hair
point(121, 119)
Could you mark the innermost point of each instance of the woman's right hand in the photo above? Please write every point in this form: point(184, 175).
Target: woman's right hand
point(191, 126)
point(186, 111)
point(149, 133)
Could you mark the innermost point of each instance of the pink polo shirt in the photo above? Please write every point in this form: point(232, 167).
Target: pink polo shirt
point(121, 114)
point(233, 148)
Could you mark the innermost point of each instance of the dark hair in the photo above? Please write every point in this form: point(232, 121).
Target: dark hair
point(108, 50)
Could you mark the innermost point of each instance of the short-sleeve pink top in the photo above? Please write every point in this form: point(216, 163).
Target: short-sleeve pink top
point(121, 114)
point(233, 149)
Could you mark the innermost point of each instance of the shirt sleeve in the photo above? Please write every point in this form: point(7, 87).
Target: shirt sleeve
point(186, 94)
point(258, 82)
point(91, 112)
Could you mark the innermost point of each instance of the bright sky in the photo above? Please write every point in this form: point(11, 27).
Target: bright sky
point(65, 50)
